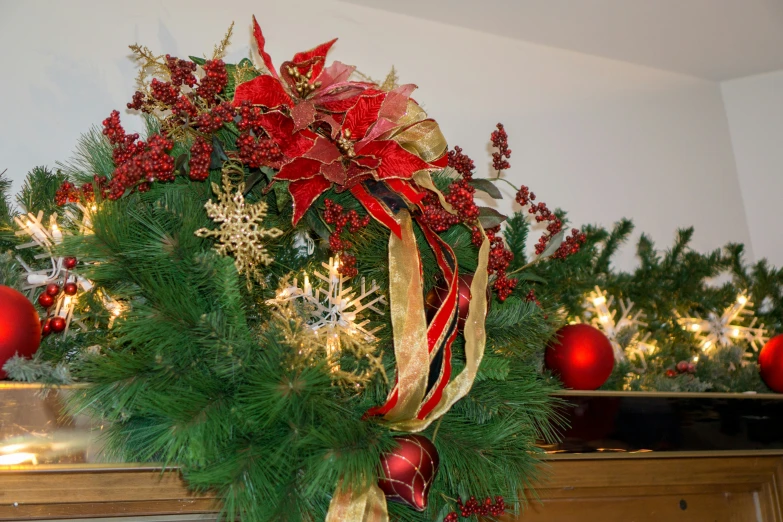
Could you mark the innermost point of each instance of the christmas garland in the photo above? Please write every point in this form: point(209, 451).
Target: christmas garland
point(284, 289)
point(667, 325)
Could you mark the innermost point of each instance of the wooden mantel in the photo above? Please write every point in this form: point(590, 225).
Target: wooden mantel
point(637, 488)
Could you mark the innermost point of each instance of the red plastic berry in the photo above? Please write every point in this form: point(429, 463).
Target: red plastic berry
point(57, 324)
point(682, 366)
point(52, 289)
point(200, 157)
point(69, 263)
point(461, 163)
point(214, 81)
point(671, 373)
point(70, 288)
point(45, 300)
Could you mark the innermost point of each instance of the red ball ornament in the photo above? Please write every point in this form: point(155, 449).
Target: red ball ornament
point(57, 324)
point(46, 327)
point(682, 366)
point(671, 373)
point(53, 289)
point(771, 363)
point(20, 328)
point(409, 471)
point(581, 355)
point(69, 263)
point(437, 295)
point(45, 300)
point(70, 288)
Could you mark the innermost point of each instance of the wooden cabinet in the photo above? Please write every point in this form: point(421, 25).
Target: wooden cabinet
point(647, 489)
point(637, 488)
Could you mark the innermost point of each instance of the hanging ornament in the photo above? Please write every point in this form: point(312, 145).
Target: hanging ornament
point(20, 327)
point(409, 470)
point(771, 363)
point(598, 308)
point(726, 330)
point(336, 313)
point(241, 233)
point(581, 355)
point(438, 293)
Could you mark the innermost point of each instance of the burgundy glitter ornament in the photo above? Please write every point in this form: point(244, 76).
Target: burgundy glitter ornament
point(435, 298)
point(20, 328)
point(771, 363)
point(581, 355)
point(409, 470)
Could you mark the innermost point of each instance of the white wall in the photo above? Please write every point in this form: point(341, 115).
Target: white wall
point(754, 107)
point(601, 138)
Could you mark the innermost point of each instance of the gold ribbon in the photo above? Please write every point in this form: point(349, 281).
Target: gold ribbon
point(366, 506)
point(409, 323)
point(475, 342)
point(418, 134)
point(423, 137)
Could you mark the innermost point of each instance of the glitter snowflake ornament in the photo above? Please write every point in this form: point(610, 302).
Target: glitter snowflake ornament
point(336, 309)
point(241, 233)
point(622, 330)
point(726, 329)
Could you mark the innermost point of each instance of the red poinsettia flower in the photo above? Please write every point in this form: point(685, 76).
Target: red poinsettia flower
point(304, 86)
point(361, 155)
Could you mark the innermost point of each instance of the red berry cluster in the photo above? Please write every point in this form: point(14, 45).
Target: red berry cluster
point(500, 141)
point(542, 213)
point(499, 259)
point(164, 92)
point(461, 163)
point(460, 195)
point(250, 118)
point(185, 109)
point(214, 81)
point(570, 245)
point(138, 162)
point(213, 120)
point(334, 215)
point(200, 157)
point(68, 193)
point(531, 297)
point(473, 507)
point(434, 215)
point(181, 71)
point(255, 152)
point(138, 102)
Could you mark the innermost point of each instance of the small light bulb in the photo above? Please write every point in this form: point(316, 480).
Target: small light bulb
point(599, 300)
point(695, 358)
point(707, 344)
point(695, 327)
point(736, 332)
point(604, 318)
point(742, 300)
